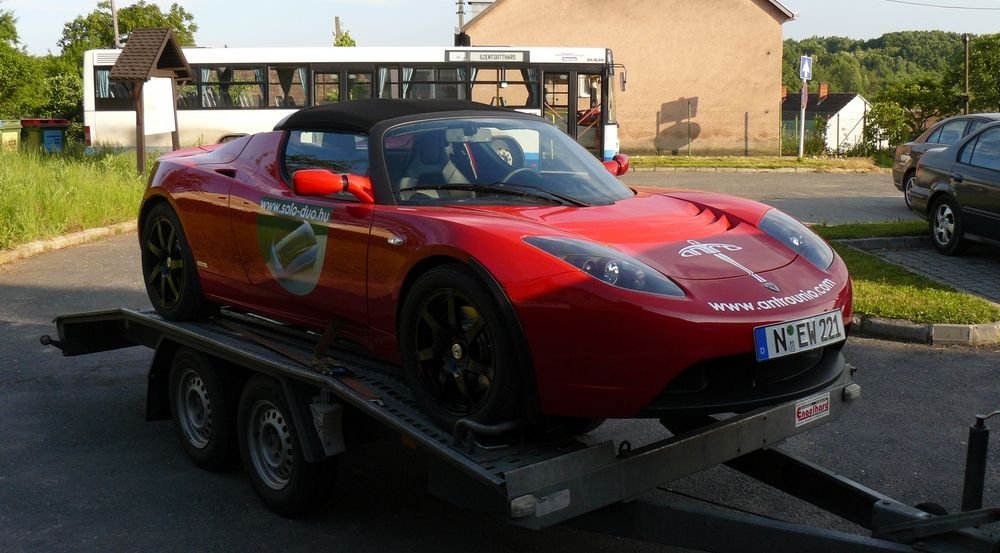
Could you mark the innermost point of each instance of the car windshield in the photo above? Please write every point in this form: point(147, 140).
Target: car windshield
point(493, 160)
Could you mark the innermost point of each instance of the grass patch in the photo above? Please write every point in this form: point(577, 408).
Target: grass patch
point(882, 289)
point(851, 164)
point(44, 196)
point(871, 230)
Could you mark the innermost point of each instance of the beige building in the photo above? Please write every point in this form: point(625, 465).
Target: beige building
point(704, 76)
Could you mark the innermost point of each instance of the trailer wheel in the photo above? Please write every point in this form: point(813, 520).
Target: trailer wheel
point(458, 357)
point(202, 409)
point(272, 453)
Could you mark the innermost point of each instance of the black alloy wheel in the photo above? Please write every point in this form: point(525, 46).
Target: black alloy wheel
point(168, 267)
point(457, 354)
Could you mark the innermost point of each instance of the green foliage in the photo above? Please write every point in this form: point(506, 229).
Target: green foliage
point(345, 39)
point(43, 196)
point(868, 66)
point(984, 82)
point(888, 123)
point(96, 29)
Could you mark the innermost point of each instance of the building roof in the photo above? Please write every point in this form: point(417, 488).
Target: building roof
point(362, 115)
point(789, 14)
point(150, 53)
point(831, 104)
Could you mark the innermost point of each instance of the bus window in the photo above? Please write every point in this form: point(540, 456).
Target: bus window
point(556, 108)
point(110, 95)
point(326, 87)
point(359, 86)
point(588, 111)
point(501, 86)
point(231, 87)
point(286, 86)
point(424, 83)
point(388, 82)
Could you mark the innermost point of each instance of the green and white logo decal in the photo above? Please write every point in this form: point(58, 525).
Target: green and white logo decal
point(292, 243)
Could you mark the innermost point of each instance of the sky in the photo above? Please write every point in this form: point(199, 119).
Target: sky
point(432, 22)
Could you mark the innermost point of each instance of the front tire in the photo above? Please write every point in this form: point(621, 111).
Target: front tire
point(271, 451)
point(168, 267)
point(947, 230)
point(458, 356)
point(202, 409)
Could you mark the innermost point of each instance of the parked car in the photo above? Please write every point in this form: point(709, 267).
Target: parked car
point(944, 133)
point(957, 189)
point(504, 268)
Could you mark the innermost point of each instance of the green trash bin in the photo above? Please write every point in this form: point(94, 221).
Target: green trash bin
point(44, 134)
point(10, 135)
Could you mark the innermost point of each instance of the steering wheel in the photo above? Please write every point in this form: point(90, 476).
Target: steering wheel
point(522, 171)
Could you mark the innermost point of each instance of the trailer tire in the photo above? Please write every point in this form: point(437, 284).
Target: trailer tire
point(203, 409)
point(272, 455)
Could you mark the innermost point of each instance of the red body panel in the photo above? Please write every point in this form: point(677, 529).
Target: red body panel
point(597, 350)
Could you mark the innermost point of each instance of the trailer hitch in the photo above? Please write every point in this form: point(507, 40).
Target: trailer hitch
point(47, 340)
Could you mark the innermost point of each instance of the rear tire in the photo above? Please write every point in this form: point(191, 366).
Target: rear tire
point(202, 408)
point(168, 267)
point(909, 180)
point(271, 451)
point(947, 230)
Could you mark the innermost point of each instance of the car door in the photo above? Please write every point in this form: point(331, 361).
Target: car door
point(975, 179)
point(305, 256)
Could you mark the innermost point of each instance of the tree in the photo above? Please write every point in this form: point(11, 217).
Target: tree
point(19, 76)
point(887, 125)
point(923, 100)
point(984, 83)
point(345, 39)
point(96, 29)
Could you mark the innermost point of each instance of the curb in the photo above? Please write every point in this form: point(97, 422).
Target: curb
point(934, 334)
point(74, 239)
point(907, 331)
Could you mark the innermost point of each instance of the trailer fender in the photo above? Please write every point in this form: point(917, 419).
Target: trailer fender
point(300, 397)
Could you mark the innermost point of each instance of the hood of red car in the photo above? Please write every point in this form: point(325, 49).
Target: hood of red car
point(678, 237)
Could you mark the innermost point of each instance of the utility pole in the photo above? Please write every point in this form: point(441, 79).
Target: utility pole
point(461, 14)
point(336, 30)
point(114, 23)
point(965, 38)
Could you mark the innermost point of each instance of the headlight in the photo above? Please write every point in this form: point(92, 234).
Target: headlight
point(798, 238)
point(607, 265)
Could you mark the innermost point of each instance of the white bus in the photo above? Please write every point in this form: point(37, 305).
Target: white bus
point(238, 91)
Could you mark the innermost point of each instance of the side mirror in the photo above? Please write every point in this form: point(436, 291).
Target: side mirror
point(320, 182)
point(618, 166)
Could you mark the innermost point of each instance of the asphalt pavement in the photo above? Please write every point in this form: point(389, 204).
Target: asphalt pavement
point(80, 470)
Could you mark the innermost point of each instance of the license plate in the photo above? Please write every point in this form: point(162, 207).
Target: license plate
point(790, 337)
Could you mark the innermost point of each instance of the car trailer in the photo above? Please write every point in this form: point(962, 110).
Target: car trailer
point(540, 482)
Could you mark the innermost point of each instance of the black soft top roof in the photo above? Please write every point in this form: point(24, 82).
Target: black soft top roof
point(362, 115)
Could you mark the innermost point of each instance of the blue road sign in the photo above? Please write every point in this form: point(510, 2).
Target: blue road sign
point(806, 68)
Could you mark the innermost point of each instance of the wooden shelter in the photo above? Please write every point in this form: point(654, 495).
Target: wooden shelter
point(150, 53)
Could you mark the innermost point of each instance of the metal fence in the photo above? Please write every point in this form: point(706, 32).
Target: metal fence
point(699, 133)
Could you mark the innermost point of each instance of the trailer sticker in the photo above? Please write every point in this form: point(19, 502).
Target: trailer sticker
point(812, 409)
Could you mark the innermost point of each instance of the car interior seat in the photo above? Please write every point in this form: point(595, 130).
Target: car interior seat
point(430, 164)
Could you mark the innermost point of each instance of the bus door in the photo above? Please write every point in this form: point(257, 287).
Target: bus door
point(572, 102)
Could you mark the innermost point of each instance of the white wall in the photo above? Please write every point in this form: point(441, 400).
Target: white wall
point(847, 125)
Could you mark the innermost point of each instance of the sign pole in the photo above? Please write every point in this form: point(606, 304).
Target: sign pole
point(805, 73)
point(802, 118)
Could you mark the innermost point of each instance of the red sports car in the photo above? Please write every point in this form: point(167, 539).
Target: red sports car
point(505, 269)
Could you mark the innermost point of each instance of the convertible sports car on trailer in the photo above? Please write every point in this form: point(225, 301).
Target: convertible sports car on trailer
point(508, 272)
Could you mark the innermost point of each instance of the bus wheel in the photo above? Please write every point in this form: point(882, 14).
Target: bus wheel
point(202, 408)
point(272, 453)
